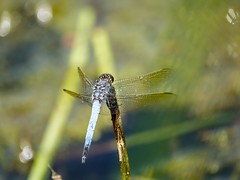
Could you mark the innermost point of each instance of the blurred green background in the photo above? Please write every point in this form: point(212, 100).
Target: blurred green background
point(195, 136)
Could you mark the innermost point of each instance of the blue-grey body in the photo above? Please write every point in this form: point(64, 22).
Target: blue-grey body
point(99, 96)
point(128, 90)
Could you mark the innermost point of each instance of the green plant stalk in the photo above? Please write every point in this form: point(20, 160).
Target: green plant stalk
point(170, 131)
point(58, 118)
point(102, 51)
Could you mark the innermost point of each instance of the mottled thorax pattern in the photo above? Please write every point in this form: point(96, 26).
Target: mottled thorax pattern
point(101, 88)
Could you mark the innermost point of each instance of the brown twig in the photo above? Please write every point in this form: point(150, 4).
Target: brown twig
point(121, 146)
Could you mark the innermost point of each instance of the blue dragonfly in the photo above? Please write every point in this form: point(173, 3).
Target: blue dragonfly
point(127, 90)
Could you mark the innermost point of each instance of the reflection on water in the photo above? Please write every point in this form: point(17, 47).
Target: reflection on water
point(26, 153)
point(44, 12)
point(199, 42)
point(5, 24)
point(232, 16)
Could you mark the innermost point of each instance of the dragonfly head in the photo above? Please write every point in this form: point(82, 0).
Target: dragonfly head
point(107, 77)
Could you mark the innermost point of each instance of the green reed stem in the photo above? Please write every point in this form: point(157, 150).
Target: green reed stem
point(58, 118)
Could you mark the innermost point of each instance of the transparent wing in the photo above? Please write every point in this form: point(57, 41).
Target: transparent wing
point(134, 92)
point(86, 98)
point(86, 86)
point(142, 84)
point(132, 100)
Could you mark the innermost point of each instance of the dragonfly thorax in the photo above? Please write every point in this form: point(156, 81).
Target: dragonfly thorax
point(101, 87)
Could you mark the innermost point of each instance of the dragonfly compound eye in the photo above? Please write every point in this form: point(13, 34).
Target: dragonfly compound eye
point(107, 76)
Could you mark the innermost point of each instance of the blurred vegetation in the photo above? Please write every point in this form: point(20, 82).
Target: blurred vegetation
point(194, 137)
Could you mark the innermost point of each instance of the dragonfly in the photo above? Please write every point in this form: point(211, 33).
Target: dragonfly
point(103, 91)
